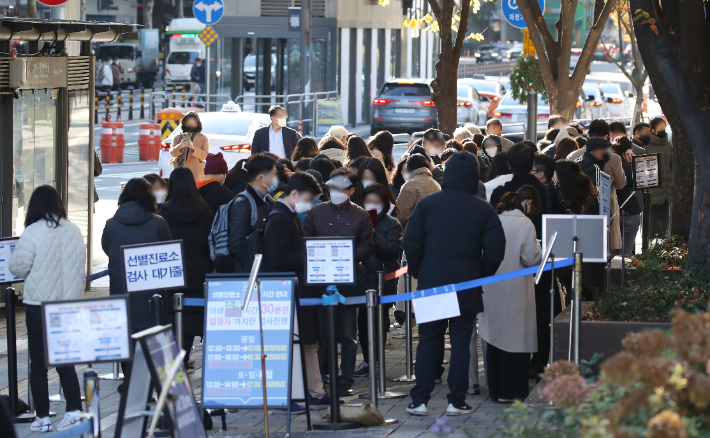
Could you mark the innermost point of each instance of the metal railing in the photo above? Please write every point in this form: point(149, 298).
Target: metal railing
point(164, 99)
point(468, 69)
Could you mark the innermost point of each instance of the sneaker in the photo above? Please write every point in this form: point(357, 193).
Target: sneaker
point(362, 371)
point(399, 332)
point(458, 410)
point(344, 390)
point(389, 339)
point(41, 425)
point(399, 317)
point(70, 419)
point(419, 410)
point(297, 409)
point(473, 389)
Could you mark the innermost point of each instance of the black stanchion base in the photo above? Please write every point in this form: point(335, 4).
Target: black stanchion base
point(384, 396)
point(403, 379)
point(335, 426)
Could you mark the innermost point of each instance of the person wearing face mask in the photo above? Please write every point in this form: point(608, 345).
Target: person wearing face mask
point(191, 149)
point(419, 183)
point(158, 187)
point(276, 138)
point(433, 143)
point(248, 211)
point(211, 188)
point(284, 252)
point(641, 138)
point(492, 146)
point(341, 217)
point(387, 258)
point(508, 322)
point(372, 172)
point(495, 127)
point(661, 197)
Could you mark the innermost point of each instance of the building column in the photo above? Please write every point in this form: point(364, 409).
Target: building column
point(423, 54)
point(388, 54)
point(359, 85)
point(409, 53)
point(374, 64)
point(345, 72)
point(431, 57)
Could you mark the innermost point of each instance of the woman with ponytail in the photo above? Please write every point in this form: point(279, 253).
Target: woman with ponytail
point(237, 178)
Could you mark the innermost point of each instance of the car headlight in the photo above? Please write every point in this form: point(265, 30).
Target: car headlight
point(478, 55)
point(494, 54)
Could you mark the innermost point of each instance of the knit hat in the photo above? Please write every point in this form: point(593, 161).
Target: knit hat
point(215, 165)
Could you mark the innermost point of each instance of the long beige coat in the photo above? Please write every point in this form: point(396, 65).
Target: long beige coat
point(420, 184)
point(195, 157)
point(508, 320)
point(618, 180)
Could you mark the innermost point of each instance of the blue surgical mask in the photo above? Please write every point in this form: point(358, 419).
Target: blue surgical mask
point(274, 184)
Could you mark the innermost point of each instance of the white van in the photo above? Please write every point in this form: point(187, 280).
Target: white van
point(185, 48)
point(179, 65)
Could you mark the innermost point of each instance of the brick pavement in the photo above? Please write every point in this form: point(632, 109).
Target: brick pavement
point(482, 422)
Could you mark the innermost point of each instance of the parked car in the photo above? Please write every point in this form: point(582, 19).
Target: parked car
point(249, 79)
point(230, 131)
point(582, 110)
point(490, 90)
point(514, 52)
point(511, 111)
point(469, 107)
point(487, 53)
point(595, 100)
point(403, 105)
point(616, 100)
point(599, 53)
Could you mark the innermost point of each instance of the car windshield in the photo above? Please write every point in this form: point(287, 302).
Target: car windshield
point(110, 51)
point(509, 100)
point(182, 58)
point(589, 90)
point(399, 89)
point(226, 126)
point(482, 48)
point(250, 61)
point(610, 89)
point(462, 91)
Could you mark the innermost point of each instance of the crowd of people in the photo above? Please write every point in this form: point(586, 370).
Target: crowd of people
point(451, 208)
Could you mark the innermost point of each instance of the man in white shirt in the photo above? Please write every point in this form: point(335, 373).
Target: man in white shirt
point(277, 138)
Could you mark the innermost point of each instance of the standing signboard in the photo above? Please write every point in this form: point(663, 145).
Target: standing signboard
point(231, 371)
point(591, 231)
point(86, 331)
point(7, 245)
point(646, 171)
point(154, 266)
point(605, 195)
point(330, 260)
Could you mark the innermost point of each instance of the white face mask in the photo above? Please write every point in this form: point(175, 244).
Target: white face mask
point(367, 183)
point(338, 198)
point(160, 196)
point(376, 207)
point(281, 121)
point(302, 207)
point(406, 176)
point(491, 151)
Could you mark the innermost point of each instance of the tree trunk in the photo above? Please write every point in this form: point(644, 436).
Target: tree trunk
point(683, 182)
point(638, 106)
point(148, 13)
point(32, 8)
point(563, 99)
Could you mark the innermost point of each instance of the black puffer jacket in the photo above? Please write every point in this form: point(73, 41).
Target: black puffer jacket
point(388, 252)
point(131, 225)
point(215, 195)
point(236, 182)
point(192, 226)
point(240, 228)
point(439, 257)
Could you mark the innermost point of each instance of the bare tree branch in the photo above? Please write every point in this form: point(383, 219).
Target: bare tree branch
point(598, 8)
point(463, 27)
point(436, 10)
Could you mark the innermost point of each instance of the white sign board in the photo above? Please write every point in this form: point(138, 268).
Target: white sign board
point(436, 307)
point(154, 266)
point(86, 331)
point(330, 260)
point(590, 229)
point(604, 194)
point(646, 171)
point(6, 248)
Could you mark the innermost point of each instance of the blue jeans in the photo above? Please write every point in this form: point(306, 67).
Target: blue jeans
point(631, 225)
point(345, 333)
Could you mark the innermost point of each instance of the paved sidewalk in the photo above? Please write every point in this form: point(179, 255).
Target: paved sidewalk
point(483, 422)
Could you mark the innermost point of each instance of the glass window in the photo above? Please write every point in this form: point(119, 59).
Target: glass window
point(318, 65)
point(462, 91)
point(610, 89)
point(396, 89)
point(589, 90)
point(79, 156)
point(182, 57)
point(34, 150)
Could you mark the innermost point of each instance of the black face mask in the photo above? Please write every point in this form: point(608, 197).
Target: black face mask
point(661, 134)
point(188, 129)
point(645, 139)
point(606, 157)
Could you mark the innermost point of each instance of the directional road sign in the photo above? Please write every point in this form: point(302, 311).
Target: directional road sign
point(208, 11)
point(512, 13)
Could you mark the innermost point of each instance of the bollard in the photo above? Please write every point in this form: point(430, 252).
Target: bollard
point(183, 96)
point(177, 302)
point(409, 366)
point(11, 349)
point(172, 91)
point(130, 104)
point(142, 103)
point(108, 104)
point(371, 308)
point(91, 390)
point(96, 107)
point(118, 105)
point(156, 306)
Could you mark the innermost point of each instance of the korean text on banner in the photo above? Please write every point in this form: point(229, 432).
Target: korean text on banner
point(330, 260)
point(605, 195)
point(154, 266)
point(646, 171)
point(231, 372)
point(328, 113)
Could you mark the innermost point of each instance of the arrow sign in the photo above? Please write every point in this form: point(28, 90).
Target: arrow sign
point(512, 13)
point(208, 11)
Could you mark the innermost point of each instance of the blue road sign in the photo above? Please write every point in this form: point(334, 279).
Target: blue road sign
point(208, 11)
point(512, 13)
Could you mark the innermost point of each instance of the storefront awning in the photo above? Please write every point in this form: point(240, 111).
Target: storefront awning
point(35, 29)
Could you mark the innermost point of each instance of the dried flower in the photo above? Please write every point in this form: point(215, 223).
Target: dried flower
point(666, 424)
point(560, 368)
point(620, 368)
point(566, 391)
point(699, 390)
point(651, 343)
point(678, 378)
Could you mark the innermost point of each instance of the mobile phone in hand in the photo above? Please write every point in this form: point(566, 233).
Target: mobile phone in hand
point(185, 137)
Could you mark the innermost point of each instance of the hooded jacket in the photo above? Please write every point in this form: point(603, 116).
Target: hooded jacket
point(131, 225)
point(438, 257)
point(192, 226)
point(236, 182)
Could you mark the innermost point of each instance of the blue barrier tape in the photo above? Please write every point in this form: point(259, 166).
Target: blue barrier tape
point(96, 276)
point(74, 431)
point(194, 302)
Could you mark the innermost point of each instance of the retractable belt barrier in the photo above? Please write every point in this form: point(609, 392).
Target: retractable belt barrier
point(398, 273)
point(96, 276)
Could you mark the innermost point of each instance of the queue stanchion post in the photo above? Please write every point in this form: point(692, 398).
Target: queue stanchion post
point(409, 365)
point(646, 232)
point(335, 423)
point(577, 304)
point(115, 373)
point(156, 308)
point(552, 306)
point(383, 393)
point(91, 391)
point(371, 308)
point(11, 349)
point(178, 303)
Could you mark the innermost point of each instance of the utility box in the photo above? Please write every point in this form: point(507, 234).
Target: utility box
point(38, 72)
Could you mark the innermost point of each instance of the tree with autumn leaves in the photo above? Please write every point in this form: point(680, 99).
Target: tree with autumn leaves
point(446, 15)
